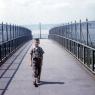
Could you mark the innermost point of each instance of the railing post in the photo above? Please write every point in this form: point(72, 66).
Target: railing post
point(87, 30)
point(0, 54)
point(80, 32)
point(2, 47)
point(93, 64)
point(10, 39)
point(7, 31)
point(15, 35)
point(7, 39)
point(83, 54)
point(2, 33)
point(70, 45)
point(71, 31)
point(75, 31)
point(74, 49)
point(13, 38)
point(78, 51)
point(66, 31)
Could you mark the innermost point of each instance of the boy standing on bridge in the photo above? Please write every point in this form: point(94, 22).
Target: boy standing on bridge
point(36, 58)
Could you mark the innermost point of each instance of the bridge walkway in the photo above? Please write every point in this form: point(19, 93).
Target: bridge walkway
point(62, 74)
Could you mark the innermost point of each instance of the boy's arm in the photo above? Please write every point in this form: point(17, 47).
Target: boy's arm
point(42, 60)
point(31, 53)
point(42, 56)
point(42, 51)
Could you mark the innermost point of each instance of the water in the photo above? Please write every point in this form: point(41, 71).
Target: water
point(35, 33)
point(44, 33)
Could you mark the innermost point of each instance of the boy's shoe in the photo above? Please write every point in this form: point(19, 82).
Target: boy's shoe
point(35, 84)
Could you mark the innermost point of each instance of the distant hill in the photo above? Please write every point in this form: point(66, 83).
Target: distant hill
point(43, 26)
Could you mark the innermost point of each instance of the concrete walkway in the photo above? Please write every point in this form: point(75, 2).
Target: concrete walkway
point(62, 74)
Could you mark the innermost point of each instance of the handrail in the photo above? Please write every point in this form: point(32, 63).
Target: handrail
point(75, 41)
point(12, 37)
point(83, 52)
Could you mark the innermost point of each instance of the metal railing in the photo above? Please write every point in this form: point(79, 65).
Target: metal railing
point(11, 38)
point(82, 51)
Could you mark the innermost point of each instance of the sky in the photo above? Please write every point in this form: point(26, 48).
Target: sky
point(27, 12)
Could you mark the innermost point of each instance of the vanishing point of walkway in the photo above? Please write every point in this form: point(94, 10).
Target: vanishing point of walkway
point(62, 74)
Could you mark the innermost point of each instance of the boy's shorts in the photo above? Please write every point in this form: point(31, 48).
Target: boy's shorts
point(37, 63)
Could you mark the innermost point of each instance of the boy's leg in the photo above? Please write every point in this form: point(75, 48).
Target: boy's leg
point(35, 75)
point(39, 73)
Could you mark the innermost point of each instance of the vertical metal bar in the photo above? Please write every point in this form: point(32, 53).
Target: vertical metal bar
point(7, 30)
point(2, 33)
point(13, 38)
point(78, 51)
point(0, 54)
point(11, 35)
point(70, 45)
point(74, 49)
point(15, 35)
point(83, 54)
point(80, 32)
point(5, 44)
point(73, 46)
point(13, 31)
point(87, 30)
point(7, 51)
point(10, 38)
point(18, 31)
point(93, 64)
point(67, 43)
point(75, 31)
point(71, 31)
point(68, 31)
point(2, 49)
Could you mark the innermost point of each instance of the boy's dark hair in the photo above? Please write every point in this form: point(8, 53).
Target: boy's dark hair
point(37, 39)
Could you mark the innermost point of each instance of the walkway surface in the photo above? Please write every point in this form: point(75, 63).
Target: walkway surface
point(62, 74)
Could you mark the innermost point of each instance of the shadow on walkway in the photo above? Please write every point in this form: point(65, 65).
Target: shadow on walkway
point(45, 82)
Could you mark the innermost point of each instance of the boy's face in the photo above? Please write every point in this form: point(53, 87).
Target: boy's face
point(36, 43)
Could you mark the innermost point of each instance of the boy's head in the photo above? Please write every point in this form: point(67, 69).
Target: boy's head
point(36, 42)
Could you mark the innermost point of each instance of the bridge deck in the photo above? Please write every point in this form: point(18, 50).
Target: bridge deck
point(62, 74)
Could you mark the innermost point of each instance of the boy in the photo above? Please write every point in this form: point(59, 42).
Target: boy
point(36, 58)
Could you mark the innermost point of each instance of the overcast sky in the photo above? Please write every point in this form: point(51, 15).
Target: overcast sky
point(46, 11)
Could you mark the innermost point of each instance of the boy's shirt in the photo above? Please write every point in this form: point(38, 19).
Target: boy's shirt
point(37, 52)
